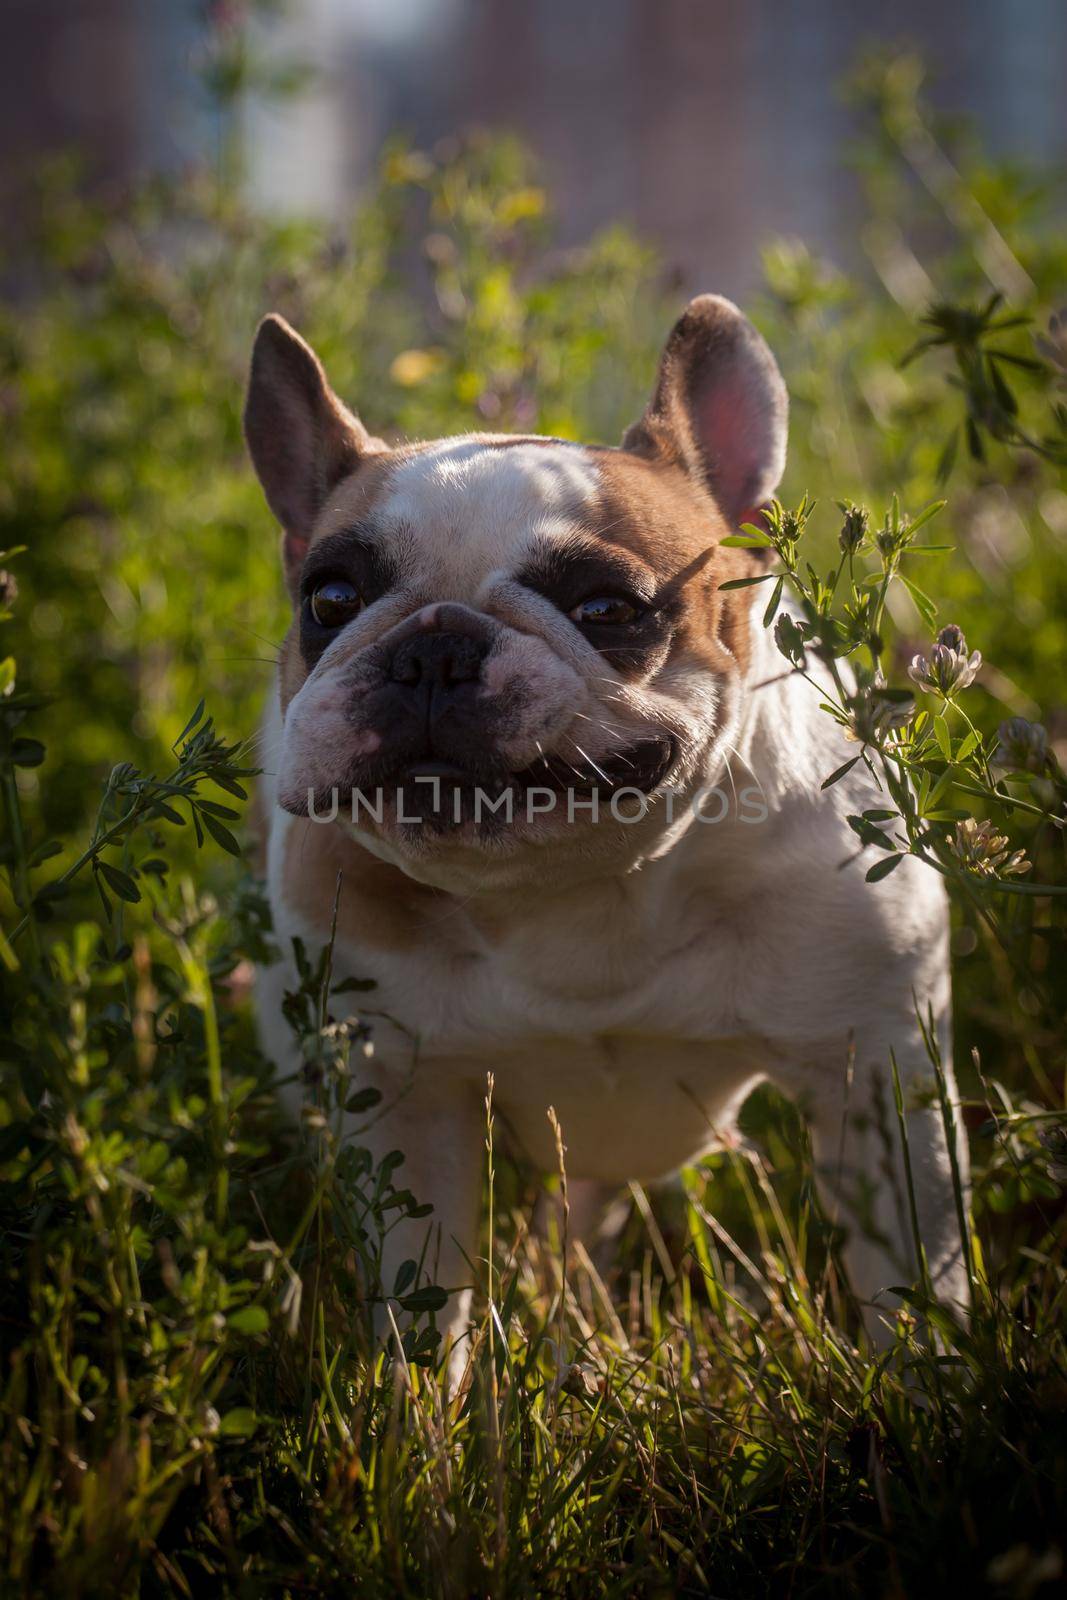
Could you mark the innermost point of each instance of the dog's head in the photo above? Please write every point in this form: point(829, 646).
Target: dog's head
point(488, 616)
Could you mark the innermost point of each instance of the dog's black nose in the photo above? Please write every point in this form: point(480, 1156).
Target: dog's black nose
point(438, 660)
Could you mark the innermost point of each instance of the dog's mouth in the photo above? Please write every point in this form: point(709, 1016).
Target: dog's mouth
point(450, 793)
point(432, 788)
point(444, 793)
point(642, 766)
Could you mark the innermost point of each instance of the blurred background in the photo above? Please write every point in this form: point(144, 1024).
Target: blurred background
point(706, 125)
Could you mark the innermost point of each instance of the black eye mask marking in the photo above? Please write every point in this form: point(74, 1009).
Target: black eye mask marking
point(349, 557)
point(569, 577)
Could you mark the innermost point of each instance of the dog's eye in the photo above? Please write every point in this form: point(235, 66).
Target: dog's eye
point(603, 610)
point(335, 602)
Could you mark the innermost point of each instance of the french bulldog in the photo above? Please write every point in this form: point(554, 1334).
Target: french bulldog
point(574, 796)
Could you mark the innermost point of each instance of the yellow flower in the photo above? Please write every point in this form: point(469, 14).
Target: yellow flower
point(412, 367)
point(521, 205)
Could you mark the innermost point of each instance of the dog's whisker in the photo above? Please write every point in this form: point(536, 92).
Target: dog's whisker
point(747, 765)
point(597, 722)
point(587, 757)
point(610, 728)
point(730, 775)
point(228, 661)
point(275, 644)
point(616, 755)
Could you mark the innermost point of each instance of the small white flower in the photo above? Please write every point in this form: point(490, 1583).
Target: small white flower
point(980, 849)
point(949, 668)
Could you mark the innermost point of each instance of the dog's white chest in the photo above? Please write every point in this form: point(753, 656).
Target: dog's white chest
point(641, 1051)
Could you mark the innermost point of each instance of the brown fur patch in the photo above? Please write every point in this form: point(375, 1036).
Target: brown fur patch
point(662, 515)
point(355, 497)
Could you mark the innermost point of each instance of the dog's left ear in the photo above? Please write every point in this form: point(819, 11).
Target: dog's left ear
point(301, 438)
point(720, 407)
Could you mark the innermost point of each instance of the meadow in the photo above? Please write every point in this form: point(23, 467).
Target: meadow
point(192, 1399)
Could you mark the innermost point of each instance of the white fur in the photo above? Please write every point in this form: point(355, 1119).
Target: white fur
point(467, 508)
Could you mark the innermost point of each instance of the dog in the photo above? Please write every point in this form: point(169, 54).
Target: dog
point(582, 840)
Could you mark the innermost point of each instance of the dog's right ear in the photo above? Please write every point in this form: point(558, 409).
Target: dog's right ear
point(301, 438)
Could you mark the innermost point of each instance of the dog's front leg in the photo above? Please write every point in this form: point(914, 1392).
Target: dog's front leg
point(881, 1193)
point(438, 1122)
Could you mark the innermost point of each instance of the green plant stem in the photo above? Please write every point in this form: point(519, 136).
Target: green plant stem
point(84, 859)
point(21, 871)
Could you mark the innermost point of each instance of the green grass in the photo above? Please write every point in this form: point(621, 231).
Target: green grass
point(192, 1400)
